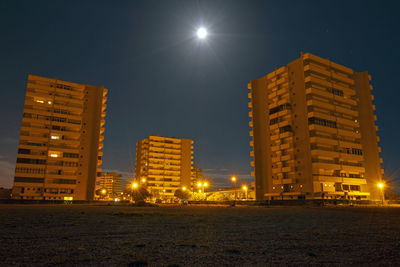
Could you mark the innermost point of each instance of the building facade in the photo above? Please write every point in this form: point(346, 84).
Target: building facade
point(164, 164)
point(112, 183)
point(313, 132)
point(59, 151)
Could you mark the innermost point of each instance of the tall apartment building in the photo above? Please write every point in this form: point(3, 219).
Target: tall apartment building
point(112, 182)
point(165, 163)
point(60, 141)
point(313, 132)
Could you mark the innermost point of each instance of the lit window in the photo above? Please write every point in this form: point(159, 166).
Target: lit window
point(40, 101)
point(49, 102)
point(55, 154)
point(55, 137)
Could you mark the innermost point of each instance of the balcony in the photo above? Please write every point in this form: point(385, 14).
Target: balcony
point(317, 69)
point(320, 104)
point(342, 78)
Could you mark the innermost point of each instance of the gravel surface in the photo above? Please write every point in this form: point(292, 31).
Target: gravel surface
point(101, 235)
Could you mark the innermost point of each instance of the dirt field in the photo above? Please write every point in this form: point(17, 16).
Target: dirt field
point(90, 235)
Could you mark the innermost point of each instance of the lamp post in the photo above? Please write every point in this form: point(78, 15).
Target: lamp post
point(382, 188)
point(202, 185)
point(134, 186)
point(234, 180)
point(244, 187)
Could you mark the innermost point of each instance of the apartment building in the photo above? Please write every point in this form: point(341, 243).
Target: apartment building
point(313, 132)
point(111, 182)
point(164, 164)
point(59, 151)
point(197, 176)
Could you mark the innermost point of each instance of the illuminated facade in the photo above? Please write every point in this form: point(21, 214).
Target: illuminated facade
point(60, 140)
point(112, 182)
point(164, 164)
point(313, 132)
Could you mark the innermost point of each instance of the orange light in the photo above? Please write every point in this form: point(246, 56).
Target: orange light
point(233, 178)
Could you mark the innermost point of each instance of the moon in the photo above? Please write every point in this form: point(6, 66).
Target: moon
point(202, 33)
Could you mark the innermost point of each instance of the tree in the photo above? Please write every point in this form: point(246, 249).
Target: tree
point(182, 194)
point(140, 194)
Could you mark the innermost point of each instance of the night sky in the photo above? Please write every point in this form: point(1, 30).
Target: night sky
point(163, 80)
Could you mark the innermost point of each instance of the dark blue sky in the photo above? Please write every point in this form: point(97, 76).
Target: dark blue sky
point(162, 80)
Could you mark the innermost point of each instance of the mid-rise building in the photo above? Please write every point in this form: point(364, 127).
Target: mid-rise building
point(59, 151)
point(197, 176)
point(164, 164)
point(314, 133)
point(111, 182)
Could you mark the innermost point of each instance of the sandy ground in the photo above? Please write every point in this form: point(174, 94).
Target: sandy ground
point(90, 235)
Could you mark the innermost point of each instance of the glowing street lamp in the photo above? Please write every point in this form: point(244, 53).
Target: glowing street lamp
point(244, 187)
point(202, 33)
point(134, 185)
point(143, 180)
point(202, 185)
point(234, 180)
point(382, 189)
point(183, 188)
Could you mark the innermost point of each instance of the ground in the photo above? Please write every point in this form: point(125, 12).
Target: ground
point(101, 235)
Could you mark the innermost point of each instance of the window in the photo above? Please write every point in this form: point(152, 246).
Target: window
point(274, 121)
point(285, 129)
point(24, 151)
point(55, 137)
point(71, 155)
point(31, 161)
point(28, 180)
point(337, 92)
point(64, 181)
point(322, 122)
point(356, 151)
point(279, 108)
point(354, 187)
point(55, 154)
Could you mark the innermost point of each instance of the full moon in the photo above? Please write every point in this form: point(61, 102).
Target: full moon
point(202, 33)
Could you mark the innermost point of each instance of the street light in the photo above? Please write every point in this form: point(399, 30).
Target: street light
point(382, 188)
point(202, 185)
point(143, 180)
point(183, 188)
point(134, 186)
point(244, 187)
point(202, 33)
point(234, 180)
